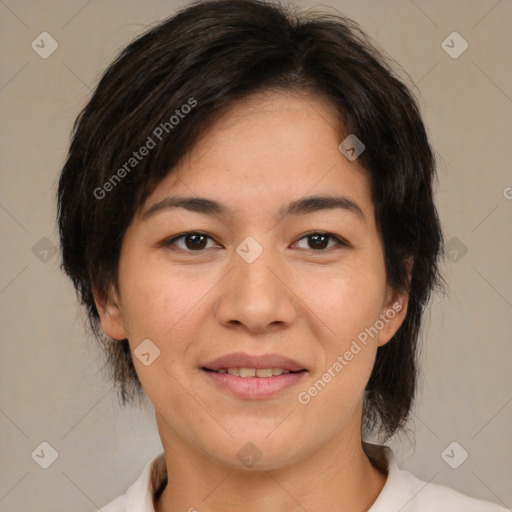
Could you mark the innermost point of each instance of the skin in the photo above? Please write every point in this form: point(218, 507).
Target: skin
point(295, 299)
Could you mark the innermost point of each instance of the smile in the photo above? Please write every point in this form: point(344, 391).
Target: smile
point(253, 372)
point(247, 385)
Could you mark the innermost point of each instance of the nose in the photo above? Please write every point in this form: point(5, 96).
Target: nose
point(257, 295)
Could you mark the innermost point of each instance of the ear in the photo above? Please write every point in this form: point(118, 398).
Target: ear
point(394, 310)
point(110, 313)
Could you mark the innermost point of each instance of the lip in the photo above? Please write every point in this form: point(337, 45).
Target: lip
point(242, 360)
point(253, 388)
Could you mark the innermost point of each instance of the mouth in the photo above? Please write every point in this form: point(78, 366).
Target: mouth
point(254, 377)
point(261, 373)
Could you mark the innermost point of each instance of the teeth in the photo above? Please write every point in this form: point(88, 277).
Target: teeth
point(253, 372)
point(264, 372)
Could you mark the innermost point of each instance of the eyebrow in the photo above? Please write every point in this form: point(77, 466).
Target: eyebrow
point(301, 206)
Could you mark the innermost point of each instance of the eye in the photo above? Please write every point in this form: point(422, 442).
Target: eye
point(192, 241)
point(196, 241)
point(318, 241)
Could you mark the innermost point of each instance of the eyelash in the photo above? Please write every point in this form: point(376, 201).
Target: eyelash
point(170, 242)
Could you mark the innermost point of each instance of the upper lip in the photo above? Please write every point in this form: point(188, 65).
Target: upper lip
point(241, 360)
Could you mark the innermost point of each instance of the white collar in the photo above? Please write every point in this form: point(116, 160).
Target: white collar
point(140, 495)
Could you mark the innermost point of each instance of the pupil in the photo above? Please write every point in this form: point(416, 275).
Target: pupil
point(197, 243)
point(316, 238)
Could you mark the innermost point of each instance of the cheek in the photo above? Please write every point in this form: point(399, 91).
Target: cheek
point(346, 301)
point(349, 304)
point(157, 303)
point(347, 351)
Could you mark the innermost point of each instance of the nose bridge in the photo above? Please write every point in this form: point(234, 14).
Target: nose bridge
point(256, 281)
point(257, 274)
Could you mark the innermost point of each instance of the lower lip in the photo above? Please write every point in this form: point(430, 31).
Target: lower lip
point(254, 388)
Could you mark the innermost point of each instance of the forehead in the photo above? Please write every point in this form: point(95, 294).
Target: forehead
point(266, 151)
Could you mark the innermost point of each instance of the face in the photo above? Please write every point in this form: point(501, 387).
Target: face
point(259, 277)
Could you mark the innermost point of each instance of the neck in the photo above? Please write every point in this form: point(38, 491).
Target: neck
point(338, 474)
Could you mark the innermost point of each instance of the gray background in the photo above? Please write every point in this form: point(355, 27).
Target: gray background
point(52, 387)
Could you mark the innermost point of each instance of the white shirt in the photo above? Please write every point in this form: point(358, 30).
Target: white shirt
point(402, 492)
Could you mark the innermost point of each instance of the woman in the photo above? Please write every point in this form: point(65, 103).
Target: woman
point(247, 214)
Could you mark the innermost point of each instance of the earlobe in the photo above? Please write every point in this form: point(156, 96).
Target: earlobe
point(395, 308)
point(110, 315)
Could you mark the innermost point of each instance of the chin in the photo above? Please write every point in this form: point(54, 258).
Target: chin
point(256, 451)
